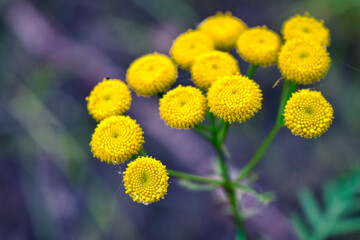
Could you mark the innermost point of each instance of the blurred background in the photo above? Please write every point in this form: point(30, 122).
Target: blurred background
point(52, 53)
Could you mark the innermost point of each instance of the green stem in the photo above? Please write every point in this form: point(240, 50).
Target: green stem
point(224, 132)
point(142, 152)
point(210, 181)
point(195, 178)
point(160, 95)
point(228, 184)
point(230, 192)
point(259, 153)
point(251, 70)
point(202, 132)
point(288, 89)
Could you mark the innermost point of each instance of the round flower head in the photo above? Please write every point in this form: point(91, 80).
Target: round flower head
point(151, 74)
point(306, 27)
point(108, 98)
point(116, 139)
point(188, 46)
point(183, 107)
point(224, 29)
point(234, 98)
point(303, 61)
point(308, 114)
point(210, 66)
point(146, 180)
point(259, 46)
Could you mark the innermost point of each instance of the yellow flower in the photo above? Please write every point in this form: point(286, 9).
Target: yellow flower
point(146, 180)
point(151, 74)
point(259, 46)
point(116, 139)
point(234, 98)
point(224, 29)
point(303, 61)
point(188, 46)
point(308, 114)
point(306, 27)
point(183, 107)
point(210, 66)
point(108, 98)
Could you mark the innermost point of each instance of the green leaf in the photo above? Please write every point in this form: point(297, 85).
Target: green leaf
point(310, 206)
point(346, 227)
point(341, 203)
point(299, 228)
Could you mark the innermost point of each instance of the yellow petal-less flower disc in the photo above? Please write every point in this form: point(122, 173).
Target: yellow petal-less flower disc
point(116, 139)
point(188, 46)
point(303, 61)
point(259, 46)
point(224, 29)
point(308, 114)
point(209, 66)
point(146, 180)
point(108, 98)
point(306, 27)
point(234, 98)
point(183, 107)
point(151, 74)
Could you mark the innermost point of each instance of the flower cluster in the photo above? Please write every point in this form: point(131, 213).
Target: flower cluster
point(219, 89)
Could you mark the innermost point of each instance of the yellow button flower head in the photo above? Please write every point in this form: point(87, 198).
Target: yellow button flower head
point(303, 61)
point(116, 139)
point(183, 107)
point(306, 27)
point(234, 98)
point(188, 46)
point(108, 98)
point(259, 46)
point(210, 66)
point(146, 180)
point(308, 114)
point(151, 74)
point(224, 29)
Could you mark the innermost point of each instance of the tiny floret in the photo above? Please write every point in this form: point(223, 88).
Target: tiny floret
point(209, 66)
point(303, 61)
point(308, 114)
point(151, 74)
point(234, 98)
point(116, 139)
point(259, 46)
point(224, 29)
point(108, 98)
point(183, 107)
point(306, 27)
point(146, 180)
point(188, 46)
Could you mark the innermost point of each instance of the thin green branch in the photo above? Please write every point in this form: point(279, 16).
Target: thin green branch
point(224, 132)
point(251, 71)
point(259, 153)
point(203, 133)
point(202, 127)
point(143, 153)
point(288, 89)
point(195, 178)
